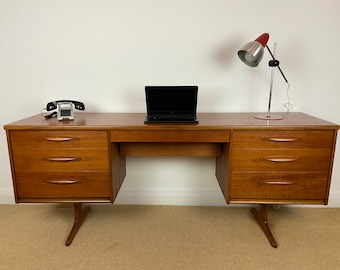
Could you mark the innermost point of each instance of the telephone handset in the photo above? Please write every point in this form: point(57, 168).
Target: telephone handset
point(65, 108)
point(53, 104)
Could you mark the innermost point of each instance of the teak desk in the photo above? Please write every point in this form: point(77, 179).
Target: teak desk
point(261, 162)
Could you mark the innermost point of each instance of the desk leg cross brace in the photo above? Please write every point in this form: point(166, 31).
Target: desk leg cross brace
point(79, 215)
point(261, 218)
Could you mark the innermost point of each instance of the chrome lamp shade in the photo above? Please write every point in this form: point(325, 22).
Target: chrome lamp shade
point(252, 52)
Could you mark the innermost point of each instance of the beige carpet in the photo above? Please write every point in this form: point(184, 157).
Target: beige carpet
point(167, 237)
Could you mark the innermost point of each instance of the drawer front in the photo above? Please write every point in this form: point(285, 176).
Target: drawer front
point(63, 185)
point(280, 166)
point(283, 139)
point(58, 139)
point(153, 136)
point(37, 160)
point(290, 186)
point(281, 160)
point(61, 165)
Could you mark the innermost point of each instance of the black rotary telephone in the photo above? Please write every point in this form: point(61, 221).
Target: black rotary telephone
point(65, 108)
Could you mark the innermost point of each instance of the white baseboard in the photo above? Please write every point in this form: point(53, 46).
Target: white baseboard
point(334, 199)
point(7, 196)
point(199, 197)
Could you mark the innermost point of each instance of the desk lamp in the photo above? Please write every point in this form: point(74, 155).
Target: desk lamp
point(251, 54)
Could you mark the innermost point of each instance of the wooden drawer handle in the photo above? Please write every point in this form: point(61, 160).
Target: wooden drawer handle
point(61, 139)
point(282, 160)
point(63, 159)
point(281, 139)
point(63, 182)
point(277, 182)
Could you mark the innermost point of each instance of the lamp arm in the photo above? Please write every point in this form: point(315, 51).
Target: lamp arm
point(284, 77)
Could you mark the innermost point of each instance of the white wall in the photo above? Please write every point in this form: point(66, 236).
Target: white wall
point(104, 52)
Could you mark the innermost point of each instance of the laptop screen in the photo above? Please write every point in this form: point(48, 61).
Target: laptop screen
point(171, 99)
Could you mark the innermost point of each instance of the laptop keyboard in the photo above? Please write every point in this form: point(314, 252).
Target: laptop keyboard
point(173, 117)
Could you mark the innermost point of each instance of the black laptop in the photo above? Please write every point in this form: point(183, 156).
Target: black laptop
point(171, 104)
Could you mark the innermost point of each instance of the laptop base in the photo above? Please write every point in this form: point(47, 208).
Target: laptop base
point(150, 120)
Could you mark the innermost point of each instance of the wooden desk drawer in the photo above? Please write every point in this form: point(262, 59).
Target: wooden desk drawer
point(155, 136)
point(63, 185)
point(283, 139)
point(276, 186)
point(280, 166)
point(37, 160)
point(281, 160)
point(59, 139)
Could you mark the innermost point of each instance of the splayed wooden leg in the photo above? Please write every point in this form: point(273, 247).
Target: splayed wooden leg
point(262, 220)
point(79, 215)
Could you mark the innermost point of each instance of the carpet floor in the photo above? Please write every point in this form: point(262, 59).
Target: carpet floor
point(168, 237)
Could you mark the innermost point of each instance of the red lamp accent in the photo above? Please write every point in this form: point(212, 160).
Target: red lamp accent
point(263, 39)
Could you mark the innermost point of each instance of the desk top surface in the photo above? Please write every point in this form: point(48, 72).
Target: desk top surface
point(135, 121)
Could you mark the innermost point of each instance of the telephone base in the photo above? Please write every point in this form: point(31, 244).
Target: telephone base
point(65, 111)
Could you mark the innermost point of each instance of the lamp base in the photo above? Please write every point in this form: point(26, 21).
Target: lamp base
point(268, 117)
